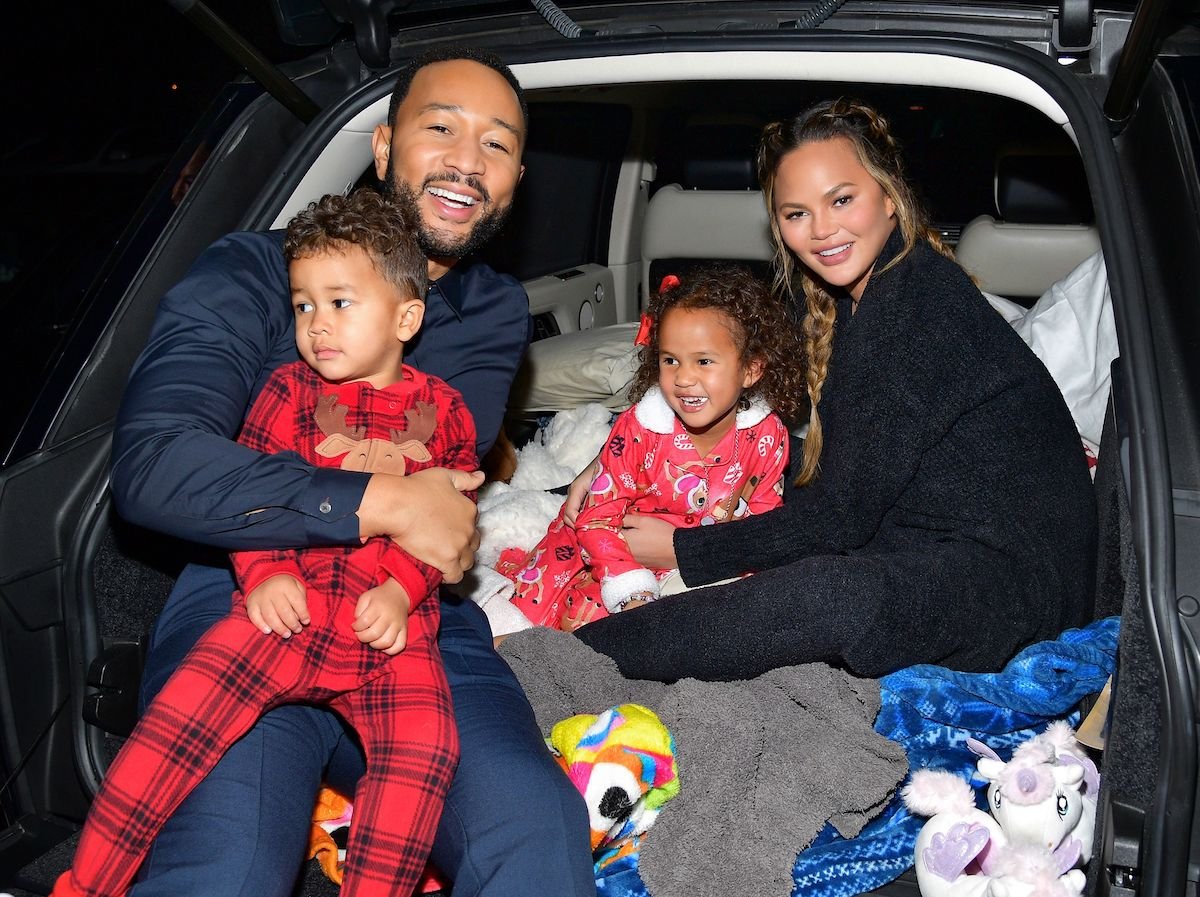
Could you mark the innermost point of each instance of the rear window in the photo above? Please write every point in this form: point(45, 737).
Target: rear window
point(561, 213)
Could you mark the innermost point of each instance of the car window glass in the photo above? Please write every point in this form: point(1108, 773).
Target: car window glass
point(560, 216)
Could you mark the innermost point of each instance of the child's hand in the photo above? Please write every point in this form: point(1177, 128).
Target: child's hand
point(278, 604)
point(578, 491)
point(381, 617)
point(637, 599)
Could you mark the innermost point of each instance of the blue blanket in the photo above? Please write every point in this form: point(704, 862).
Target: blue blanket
point(932, 711)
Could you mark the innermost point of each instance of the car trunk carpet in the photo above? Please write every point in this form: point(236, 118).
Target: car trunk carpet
point(37, 878)
point(764, 764)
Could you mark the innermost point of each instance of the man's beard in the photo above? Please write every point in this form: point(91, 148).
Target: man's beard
point(440, 246)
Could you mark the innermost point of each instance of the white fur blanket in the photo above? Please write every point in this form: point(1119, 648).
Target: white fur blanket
point(516, 514)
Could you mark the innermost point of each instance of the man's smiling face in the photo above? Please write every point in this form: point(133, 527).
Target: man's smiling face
point(453, 155)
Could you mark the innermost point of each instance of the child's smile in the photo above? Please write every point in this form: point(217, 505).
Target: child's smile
point(701, 373)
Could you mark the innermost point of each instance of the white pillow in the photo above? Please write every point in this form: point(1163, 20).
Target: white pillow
point(573, 369)
point(1071, 329)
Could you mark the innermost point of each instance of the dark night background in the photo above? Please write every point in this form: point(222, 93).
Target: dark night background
point(98, 95)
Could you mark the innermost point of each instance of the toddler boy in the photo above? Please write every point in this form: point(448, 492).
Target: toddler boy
point(354, 628)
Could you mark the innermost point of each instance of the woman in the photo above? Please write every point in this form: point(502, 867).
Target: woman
point(942, 512)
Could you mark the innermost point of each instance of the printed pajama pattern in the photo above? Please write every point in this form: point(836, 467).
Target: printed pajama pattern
point(234, 674)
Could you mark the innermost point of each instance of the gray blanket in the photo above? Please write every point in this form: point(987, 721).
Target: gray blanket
point(763, 764)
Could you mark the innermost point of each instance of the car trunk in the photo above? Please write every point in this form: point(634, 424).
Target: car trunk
point(89, 586)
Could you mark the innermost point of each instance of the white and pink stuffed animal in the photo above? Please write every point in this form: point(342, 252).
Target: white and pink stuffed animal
point(1043, 812)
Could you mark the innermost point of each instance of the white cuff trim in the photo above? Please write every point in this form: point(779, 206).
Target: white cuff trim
point(616, 589)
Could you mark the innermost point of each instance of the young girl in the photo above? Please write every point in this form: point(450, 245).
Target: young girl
point(945, 513)
point(700, 446)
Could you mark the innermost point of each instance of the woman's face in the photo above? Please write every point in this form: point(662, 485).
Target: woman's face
point(831, 213)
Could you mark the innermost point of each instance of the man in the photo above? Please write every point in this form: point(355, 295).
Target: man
point(513, 825)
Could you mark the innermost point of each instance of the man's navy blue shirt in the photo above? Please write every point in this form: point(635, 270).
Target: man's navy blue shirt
point(218, 336)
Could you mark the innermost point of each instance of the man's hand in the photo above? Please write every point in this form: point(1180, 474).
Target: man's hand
point(279, 605)
point(427, 515)
point(578, 491)
point(651, 541)
point(381, 617)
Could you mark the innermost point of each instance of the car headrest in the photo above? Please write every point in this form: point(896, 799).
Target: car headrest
point(1042, 189)
point(1043, 227)
point(704, 225)
point(721, 156)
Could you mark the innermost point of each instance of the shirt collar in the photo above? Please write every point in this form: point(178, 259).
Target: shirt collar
point(411, 379)
point(450, 286)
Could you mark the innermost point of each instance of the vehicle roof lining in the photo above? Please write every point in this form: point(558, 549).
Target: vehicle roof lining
point(348, 152)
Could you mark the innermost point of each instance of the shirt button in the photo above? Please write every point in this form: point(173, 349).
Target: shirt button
point(325, 507)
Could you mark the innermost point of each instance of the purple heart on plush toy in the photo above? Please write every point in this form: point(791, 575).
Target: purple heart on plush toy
point(948, 854)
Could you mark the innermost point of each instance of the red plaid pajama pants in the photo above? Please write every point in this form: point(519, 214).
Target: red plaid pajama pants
point(399, 706)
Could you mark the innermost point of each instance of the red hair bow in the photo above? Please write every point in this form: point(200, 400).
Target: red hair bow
point(643, 334)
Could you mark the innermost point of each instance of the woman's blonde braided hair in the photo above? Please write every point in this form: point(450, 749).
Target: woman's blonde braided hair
point(879, 153)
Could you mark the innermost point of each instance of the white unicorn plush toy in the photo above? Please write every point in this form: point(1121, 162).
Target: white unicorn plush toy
point(1043, 812)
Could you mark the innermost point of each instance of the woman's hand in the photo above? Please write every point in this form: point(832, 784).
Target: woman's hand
point(427, 515)
point(578, 492)
point(651, 541)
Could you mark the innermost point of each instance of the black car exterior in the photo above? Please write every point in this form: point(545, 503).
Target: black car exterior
point(1126, 82)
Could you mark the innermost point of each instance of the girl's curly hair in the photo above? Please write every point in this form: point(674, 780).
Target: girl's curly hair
point(367, 220)
point(761, 324)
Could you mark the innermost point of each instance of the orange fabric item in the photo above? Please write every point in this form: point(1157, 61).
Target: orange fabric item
point(330, 813)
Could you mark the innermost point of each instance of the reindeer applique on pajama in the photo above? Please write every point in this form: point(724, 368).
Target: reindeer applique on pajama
point(648, 466)
point(399, 705)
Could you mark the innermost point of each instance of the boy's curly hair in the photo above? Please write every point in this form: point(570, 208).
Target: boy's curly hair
point(367, 220)
point(761, 324)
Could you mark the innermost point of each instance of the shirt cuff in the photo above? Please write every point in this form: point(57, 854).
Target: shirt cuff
point(330, 506)
point(404, 571)
point(261, 572)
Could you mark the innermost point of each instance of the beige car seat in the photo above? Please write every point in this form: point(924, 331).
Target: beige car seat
point(684, 225)
point(1041, 231)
